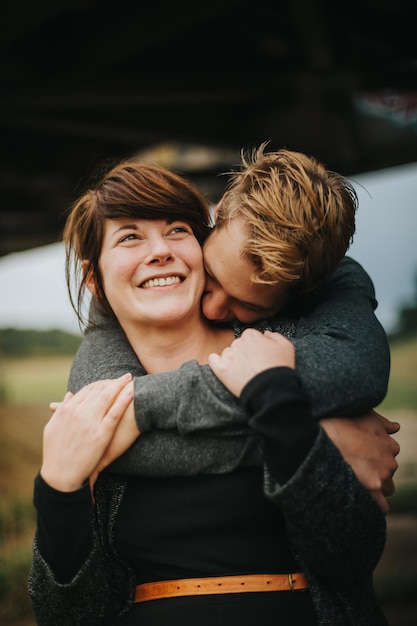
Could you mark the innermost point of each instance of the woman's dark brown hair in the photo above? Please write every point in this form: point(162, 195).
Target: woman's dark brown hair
point(129, 189)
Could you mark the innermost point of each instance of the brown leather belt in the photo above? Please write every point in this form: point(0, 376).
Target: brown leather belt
point(220, 584)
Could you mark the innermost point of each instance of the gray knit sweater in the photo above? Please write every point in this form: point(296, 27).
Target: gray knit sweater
point(333, 523)
point(343, 362)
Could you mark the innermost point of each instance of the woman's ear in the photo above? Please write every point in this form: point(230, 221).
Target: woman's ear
point(90, 283)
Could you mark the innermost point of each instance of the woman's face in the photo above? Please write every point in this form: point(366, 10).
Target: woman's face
point(152, 271)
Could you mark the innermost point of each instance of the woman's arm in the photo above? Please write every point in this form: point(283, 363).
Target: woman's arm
point(87, 599)
point(97, 591)
point(69, 577)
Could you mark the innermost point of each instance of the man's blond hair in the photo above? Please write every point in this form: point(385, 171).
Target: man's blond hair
point(299, 216)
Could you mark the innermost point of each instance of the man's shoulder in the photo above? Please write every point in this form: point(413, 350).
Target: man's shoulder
point(348, 275)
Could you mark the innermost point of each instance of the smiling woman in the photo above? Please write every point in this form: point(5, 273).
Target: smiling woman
point(152, 273)
point(143, 224)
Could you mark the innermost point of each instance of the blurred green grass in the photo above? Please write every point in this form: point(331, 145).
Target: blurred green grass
point(28, 384)
point(34, 380)
point(402, 387)
point(37, 380)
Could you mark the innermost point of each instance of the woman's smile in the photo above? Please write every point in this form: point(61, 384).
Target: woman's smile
point(162, 259)
point(161, 281)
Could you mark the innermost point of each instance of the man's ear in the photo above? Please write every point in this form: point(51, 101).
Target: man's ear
point(89, 279)
point(217, 209)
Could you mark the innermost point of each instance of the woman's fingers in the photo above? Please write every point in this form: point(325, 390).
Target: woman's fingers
point(119, 405)
point(81, 429)
point(54, 405)
point(102, 394)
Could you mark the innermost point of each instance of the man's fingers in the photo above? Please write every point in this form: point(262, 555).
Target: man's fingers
point(213, 358)
point(390, 426)
point(389, 488)
point(379, 498)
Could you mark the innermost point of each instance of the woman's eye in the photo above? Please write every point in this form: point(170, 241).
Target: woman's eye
point(180, 229)
point(128, 237)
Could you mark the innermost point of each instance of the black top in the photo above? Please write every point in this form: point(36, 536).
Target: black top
point(192, 526)
point(332, 523)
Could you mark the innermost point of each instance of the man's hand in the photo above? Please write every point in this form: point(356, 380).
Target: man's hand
point(365, 443)
point(250, 355)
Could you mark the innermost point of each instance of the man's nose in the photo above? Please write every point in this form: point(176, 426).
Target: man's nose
point(215, 305)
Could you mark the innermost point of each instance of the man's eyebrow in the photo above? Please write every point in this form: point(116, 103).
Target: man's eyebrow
point(253, 305)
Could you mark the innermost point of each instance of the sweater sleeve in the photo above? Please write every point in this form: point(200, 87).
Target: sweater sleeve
point(193, 398)
point(343, 357)
point(190, 401)
point(280, 414)
point(64, 529)
point(342, 362)
point(335, 526)
point(100, 590)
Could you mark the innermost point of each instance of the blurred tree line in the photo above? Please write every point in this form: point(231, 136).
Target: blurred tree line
point(407, 323)
point(18, 343)
point(22, 343)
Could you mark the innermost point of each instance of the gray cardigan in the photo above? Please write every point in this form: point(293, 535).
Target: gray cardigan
point(343, 362)
point(339, 541)
point(334, 526)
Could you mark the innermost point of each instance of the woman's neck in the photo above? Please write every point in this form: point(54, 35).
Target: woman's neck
point(165, 348)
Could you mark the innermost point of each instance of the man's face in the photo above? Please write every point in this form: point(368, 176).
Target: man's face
point(229, 292)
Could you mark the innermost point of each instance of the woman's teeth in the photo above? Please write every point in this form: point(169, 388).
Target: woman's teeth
point(161, 282)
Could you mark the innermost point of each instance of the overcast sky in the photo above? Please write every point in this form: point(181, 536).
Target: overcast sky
point(32, 283)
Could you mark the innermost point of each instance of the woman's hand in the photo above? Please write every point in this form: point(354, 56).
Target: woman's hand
point(124, 436)
point(249, 355)
point(80, 431)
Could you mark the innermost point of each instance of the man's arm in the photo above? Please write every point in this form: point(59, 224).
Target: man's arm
point(189, 399)
point(365, 444)
point(343, 356)
point(185, 401)
point(105, 353)
point(343, 361)
point(295, 450)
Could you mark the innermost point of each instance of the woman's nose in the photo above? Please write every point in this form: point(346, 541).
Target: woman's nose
point(159, 251)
